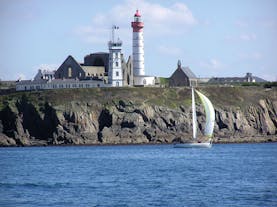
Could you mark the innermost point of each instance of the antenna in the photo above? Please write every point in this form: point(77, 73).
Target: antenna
point(114, 27)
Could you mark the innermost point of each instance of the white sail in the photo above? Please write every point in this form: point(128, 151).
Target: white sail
point(194, 120)
point(210, 114)
point(210, 120)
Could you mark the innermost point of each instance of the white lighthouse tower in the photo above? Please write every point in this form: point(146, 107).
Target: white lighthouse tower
point(115, 77)
point(138, 45)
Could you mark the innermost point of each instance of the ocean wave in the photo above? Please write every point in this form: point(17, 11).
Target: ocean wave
point(36, 185)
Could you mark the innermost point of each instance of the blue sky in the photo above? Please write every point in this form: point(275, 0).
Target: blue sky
point(214, 38)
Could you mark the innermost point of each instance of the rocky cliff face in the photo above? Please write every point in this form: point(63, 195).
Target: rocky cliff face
point(124, 121)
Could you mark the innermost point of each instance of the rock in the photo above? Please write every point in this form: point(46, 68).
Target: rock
point(23, 123)
point(108, 136)
point(267, 124)
point(6, 141)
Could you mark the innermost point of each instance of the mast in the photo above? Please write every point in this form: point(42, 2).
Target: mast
point(194, 121)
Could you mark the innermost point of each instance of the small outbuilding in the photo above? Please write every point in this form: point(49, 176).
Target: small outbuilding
point(182, 76)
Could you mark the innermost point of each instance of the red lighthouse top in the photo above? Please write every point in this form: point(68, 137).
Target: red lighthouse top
point(137, 24)
point(137, 14)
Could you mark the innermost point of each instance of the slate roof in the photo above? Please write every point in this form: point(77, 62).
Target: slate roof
point(234, 79)
point(189, 73)
point(26, 82)
point(259, 80)
point(54, 81)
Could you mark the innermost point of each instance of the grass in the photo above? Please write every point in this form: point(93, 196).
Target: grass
point(164, 81)
point(270, 84)
point(223, 97)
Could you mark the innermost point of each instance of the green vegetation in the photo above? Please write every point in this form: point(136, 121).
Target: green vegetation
point(252, 84)
point(164, 81)
point(238, 97)
point(245, 84)
point(270, 84)
point(7, 84)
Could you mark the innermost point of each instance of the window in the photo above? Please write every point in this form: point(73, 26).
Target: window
point(144, 81)
point(117, 73)
point(69, 72)
point(116, 64)
point(117, 83)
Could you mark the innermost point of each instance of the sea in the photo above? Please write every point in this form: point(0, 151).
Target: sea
point(139, 175)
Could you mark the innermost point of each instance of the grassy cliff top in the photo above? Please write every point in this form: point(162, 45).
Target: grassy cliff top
point(223, 97)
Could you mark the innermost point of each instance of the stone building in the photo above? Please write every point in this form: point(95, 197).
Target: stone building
point(248, 78)
point(93, 67)
point(70, 69)
point(97, 59)
point(108, 69)
point(43, 84)
point(127, 68)
point(45, 74)
point(182, 76)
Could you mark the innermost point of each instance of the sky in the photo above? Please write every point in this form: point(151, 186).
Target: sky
point(214, 38)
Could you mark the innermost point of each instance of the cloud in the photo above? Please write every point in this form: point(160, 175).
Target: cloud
point(159, 21)
point(269, 23)
point(91, 35)
point(213, 64)
point(261, 23)
point(30, 74)
point(13, 10)
point(269, 77)
point(245, 37)
point(170, 50)
point(251, 56)
point(248, 37)
point(20, 76)
point(242, 23)
point(46, 67)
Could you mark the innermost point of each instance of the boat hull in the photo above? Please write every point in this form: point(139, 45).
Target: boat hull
point(193, 145)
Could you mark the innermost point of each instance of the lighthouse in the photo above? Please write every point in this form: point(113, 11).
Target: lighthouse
point(115, 76)
point(138, 45)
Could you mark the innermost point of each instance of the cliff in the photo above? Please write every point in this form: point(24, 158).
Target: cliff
point(133, 116)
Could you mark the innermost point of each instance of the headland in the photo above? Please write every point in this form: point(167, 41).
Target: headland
point(98, 116)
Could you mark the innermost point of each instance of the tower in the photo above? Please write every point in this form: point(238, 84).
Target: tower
point(115, 77)
point(138, 45)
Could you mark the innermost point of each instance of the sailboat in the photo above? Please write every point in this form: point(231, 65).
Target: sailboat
point(209, 126)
